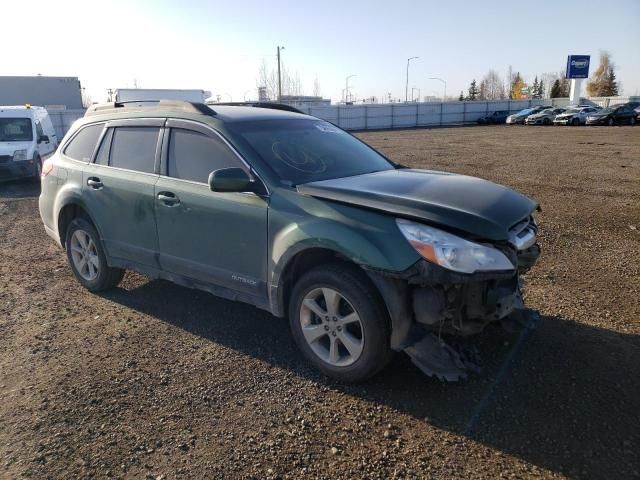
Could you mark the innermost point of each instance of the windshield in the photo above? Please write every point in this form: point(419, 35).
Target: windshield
point(15, 130)
point(608, 110)
point(525, 111)
point(546, 112)
point(573, 110)
point(301, 150)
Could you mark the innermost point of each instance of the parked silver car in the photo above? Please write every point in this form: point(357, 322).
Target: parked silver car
point(520, 117)
point(574, 116)
point(545, 117)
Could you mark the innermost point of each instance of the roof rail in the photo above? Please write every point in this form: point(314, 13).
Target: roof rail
point(109, 107)
point(271, 105)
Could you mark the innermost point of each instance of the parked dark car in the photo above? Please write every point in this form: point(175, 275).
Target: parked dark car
point(615, 115)
point(295, 216)
point(494, 118)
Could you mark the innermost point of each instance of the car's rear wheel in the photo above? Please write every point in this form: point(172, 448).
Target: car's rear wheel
point(87, 259)
point(37, 168)
point(632, 121)
point(610, 122)
point(547, 121)
point(340, 323)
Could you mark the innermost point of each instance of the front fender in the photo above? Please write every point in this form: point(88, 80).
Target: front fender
point(299, 222)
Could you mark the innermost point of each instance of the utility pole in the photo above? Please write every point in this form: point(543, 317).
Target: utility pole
point(346, 90)
point(279, 76)
point(406, 87)
point(444, 95)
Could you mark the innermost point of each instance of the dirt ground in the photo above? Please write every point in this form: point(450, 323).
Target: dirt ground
point(152, 380)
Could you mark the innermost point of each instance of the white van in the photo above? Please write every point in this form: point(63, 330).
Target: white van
point(27, 139)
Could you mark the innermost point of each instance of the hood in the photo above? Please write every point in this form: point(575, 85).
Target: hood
point(468, 204)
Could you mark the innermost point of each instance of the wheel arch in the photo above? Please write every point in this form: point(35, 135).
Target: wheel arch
point(72, 208)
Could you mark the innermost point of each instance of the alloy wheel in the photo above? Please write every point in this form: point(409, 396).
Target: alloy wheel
point(84, 255)
point(331, 327)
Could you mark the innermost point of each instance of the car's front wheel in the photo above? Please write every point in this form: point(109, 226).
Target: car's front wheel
point(610, 122)
point(340, 323)
point(632, 121)
point(575, 122)
point(87, 259)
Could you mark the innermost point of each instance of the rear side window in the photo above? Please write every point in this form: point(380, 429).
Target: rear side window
point(193, 156)
point(134, 148)
point(84, 143)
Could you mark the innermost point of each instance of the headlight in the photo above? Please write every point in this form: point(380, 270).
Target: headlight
point(19, 155)
point(450, 251)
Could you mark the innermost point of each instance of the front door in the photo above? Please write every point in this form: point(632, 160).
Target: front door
point(119, 191)
point(212, 237)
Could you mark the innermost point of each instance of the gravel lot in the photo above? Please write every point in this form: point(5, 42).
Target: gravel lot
point(154, 380)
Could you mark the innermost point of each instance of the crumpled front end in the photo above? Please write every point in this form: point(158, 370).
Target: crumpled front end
point(428, 303)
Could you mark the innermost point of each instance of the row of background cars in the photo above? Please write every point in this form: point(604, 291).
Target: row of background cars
point(625, 113)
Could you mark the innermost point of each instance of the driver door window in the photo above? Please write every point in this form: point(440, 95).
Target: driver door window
point(193, 155)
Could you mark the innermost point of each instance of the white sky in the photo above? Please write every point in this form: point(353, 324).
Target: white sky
point(219, 45)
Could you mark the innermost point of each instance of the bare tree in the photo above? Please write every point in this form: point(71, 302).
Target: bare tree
point(316, 88)
point(491, 86)
point(268, 78)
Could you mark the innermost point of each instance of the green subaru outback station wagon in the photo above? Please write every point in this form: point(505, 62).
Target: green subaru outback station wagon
point(291, 214)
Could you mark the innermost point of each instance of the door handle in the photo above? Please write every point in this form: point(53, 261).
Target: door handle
point(94, 183)
point(169, 199)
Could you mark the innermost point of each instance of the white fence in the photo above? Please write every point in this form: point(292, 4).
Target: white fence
point(431, 114)
point(395, 115)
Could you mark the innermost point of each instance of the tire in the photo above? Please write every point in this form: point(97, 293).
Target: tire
point(547, 121)
point(632, 121)
point(575, 122)
point(98, 276)
point(610, 122)
point(37, 169)
point(371, 332)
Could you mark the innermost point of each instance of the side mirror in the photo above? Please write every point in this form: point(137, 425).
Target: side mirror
point(43, 139)
point(230, 180)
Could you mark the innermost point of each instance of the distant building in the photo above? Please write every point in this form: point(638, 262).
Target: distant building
point(53, 93)
point(305, 101)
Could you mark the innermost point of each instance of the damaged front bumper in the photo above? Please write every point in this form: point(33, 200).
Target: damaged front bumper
point(427, 301)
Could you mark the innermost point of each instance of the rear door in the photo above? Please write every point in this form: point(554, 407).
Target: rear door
point(213, 237)
point(119, 190)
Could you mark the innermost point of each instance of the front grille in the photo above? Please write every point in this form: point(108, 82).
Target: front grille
point(5, 158)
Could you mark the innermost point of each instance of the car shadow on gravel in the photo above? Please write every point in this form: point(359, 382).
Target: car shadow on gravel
point(567, 400)
point(15, 189)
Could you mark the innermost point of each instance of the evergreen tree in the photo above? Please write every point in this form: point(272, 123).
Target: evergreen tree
point(473, 90)
point(610, 87)
point(541, 89)
point(556, 89)
point(461, 97)
point(534, 91)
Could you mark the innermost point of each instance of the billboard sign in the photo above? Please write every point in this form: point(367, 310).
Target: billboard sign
point(578, 66)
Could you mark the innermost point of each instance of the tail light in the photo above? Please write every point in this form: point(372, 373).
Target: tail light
point(47, 167)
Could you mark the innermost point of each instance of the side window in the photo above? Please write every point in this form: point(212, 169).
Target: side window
point(102, 158)
point(83, 144)
point(193, 156)
point(134, 148)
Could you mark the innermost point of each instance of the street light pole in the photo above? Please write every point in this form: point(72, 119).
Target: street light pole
point(444, 96)
point(346, 90)
point(406, 86)
point(279, 76)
